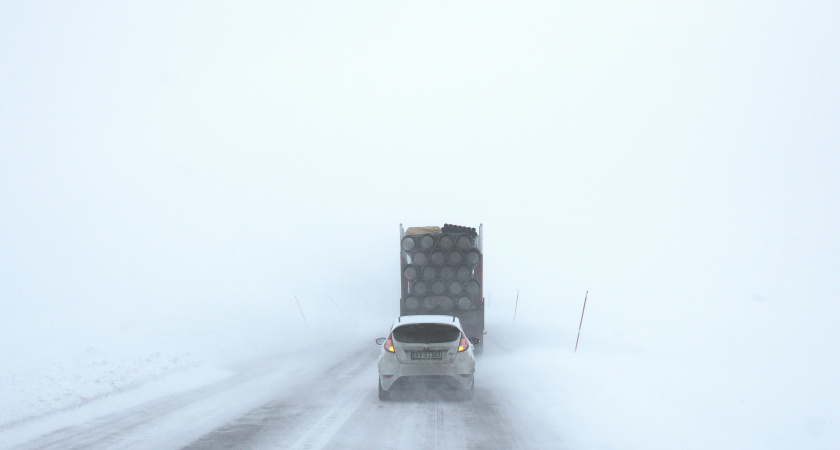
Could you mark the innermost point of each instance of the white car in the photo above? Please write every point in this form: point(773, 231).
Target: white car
point(429, 347)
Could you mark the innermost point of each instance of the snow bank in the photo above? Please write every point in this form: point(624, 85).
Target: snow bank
point(614, 395)
point(54, 386)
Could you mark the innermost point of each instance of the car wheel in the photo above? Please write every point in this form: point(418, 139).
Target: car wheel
point(383, 394)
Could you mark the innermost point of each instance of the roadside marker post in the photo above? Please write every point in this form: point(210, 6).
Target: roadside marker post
point(516, 306)
point(581, 320)
point(301, 313)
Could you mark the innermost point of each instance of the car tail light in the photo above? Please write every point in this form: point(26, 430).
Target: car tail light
point(389, 343)
point(463, 345)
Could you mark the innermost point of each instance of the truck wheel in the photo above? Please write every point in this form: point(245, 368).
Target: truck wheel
point(479, 348)
point(383, 394)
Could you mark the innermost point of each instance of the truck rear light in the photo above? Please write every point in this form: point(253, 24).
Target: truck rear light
point(389, 343)
point(463, 345)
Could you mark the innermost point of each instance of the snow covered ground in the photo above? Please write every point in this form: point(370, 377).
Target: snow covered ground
point(733, 391)
point(65, 370)
point(48, 387)
point(598, 398)
point(187, 395)
point(55, 397)
point(765, 380)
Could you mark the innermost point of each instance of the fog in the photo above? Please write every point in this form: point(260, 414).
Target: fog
point(229, 180)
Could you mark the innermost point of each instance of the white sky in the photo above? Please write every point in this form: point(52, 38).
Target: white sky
point(676, 159)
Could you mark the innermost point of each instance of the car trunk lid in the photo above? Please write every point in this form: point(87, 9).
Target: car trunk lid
point(426, 343)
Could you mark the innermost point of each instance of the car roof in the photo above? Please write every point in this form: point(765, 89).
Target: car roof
point(402, 320)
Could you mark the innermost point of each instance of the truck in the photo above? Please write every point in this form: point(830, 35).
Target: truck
point(441, 272)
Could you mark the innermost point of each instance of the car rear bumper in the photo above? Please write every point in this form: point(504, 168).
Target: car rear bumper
point(459, 373)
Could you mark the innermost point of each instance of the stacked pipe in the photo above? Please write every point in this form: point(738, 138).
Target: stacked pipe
point(440, 271)
point(449, 228)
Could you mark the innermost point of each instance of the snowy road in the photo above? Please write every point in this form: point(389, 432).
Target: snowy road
point(276, 404)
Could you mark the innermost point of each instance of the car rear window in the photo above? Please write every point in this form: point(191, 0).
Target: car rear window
point(426, 333)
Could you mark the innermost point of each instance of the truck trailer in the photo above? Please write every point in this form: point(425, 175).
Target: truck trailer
point(441, 272)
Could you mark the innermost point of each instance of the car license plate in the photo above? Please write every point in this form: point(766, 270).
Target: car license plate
point(426, 355)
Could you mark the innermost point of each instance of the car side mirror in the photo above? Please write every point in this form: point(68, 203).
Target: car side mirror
point(380, 341)
point(474, 340)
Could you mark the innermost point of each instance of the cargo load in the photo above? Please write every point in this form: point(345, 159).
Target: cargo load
point(441, 272)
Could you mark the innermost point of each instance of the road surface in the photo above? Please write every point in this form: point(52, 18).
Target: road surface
point(279, 403)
